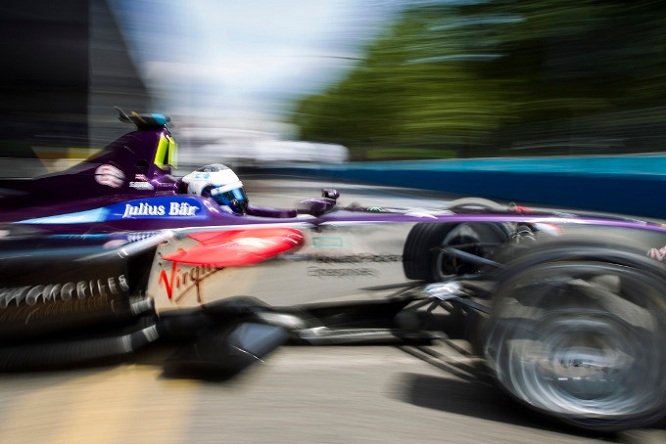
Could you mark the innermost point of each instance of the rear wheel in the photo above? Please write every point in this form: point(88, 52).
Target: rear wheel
point(423, 258)
point(583, 337)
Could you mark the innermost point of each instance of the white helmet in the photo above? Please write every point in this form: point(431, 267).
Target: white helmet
point(221, 184)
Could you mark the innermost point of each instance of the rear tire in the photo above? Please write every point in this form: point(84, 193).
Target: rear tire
point(423, 261)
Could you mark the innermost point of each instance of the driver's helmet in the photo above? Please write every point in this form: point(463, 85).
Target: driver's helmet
point(221, 184)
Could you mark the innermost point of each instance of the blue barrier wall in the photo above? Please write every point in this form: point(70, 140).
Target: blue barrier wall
point(631, 185)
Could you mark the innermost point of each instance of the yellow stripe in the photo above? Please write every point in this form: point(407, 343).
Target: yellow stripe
point(113, 406)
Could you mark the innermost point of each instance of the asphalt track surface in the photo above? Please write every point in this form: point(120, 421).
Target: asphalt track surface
point(300, 394)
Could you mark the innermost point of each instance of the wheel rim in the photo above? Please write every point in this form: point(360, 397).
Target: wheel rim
point(476, 239)
point(564, 342)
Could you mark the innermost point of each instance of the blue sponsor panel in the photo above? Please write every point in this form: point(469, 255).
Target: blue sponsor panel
point(169, 207)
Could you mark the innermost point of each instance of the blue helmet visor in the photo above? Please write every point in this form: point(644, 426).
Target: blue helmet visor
point(236, 199)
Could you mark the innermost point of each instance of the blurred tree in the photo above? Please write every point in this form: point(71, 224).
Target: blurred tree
point(477, 77)
point(577, 65)
point(419, 86)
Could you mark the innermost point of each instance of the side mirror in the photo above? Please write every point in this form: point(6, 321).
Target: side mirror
point(330, 193)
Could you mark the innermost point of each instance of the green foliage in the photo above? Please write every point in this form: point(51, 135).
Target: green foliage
point(412, 153)
point(477, 77)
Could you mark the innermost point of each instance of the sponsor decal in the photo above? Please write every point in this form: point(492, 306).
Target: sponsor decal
point(349, 259)
point(166, 209)
point(349, 273)
point(110, 176)
point(357, 258)
point(143, 186)
point(360, 258)
point(136, 237)
point(178, 282)
point(143, 209)
point(44, 294)
point(328, 242)
point(141, 183)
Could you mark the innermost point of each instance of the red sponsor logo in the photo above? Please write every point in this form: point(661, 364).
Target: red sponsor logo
point(178, 282)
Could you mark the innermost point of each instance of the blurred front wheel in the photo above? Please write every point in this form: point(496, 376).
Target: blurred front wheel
point(582, 340)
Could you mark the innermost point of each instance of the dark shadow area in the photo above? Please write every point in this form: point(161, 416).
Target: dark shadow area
point(480, 400)
point(468, 370)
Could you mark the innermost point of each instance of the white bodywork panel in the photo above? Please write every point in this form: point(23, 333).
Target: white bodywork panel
point(334, 263)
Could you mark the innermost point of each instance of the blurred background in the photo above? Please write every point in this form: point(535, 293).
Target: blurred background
point(334, 80)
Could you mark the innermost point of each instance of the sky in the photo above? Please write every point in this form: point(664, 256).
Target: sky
point(235, 58)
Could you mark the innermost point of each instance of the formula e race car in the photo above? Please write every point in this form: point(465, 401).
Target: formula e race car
point(567, 311)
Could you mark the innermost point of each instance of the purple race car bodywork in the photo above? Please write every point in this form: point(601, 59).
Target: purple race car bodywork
point(110, 256)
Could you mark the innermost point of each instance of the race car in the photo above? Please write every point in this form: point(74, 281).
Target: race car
point(566, 310)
